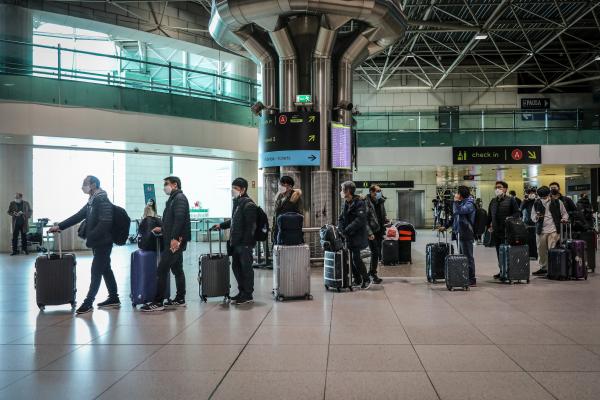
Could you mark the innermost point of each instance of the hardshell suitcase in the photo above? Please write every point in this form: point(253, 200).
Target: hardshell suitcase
point(514, 263)
point(291, 272)
point(532, 242)
point(404, 251)
point(55, 278)
point(390, 251)
point(213, 274)
point(559, 260)
point(337, 271)
point(143, 275)
point(456, 271)
point(577, 252)
point(435, 257)
point(590, 239)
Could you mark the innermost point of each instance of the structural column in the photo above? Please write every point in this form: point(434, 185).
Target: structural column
point(16, 24)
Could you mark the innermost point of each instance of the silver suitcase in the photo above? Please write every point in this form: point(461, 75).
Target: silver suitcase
point(291, 272)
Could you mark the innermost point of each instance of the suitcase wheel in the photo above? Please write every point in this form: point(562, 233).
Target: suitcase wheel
point(326, 287)
point(309, 297)
point(467, 288)
point(204, 299)
point(41, 307)
point(527, 280)
point(450, 288)
point(339, 289)
point(351, 289)
point(279, 298)
point(429, 280)
point(133, 305)
point(226, 299)
point(73, 304)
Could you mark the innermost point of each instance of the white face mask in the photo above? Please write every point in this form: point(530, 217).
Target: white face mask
point(168, 189)
point(86, 189)
point(282, 189)
point(235, 193)
point(18, 200)
point(532, 196)
point(342, 195)
point(499, 192)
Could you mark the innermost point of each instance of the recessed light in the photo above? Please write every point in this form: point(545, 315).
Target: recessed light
point(481, 36)
point(597, 58)
point(8, 84)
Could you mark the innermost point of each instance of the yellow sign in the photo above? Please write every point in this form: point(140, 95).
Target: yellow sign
point(312, 138)
point(311, 118)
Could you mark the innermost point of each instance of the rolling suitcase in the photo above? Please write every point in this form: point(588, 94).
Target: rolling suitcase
point(577, 252)
point(213, 274)
point(291, 272)
point(590, 239)
point(55, 278)
point(559, 260)
point(532, 242)
point(456, 271)
point(337, 271)
point(143, 275)
point(514, 263)
point(435, 257)
point(390, 252)
point(404, 251)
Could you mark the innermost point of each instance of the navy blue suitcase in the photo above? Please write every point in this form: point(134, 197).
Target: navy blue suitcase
point(143, 277)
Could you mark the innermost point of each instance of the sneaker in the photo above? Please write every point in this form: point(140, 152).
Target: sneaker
point(84, 309)
point(14, 253)
point(243, 300)
point(497, 276)
point(366, 284)
point(152, 307)
point(110, 303)
point(375, 279)
point(357, 283)
point(175, 303)
point(540, 272)
point(236, 297)
point(473, 283)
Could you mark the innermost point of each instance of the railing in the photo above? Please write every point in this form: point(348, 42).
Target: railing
point(475, 128)
point(165, 77)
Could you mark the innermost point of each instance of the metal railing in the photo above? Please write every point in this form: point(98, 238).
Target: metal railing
point(166, 77)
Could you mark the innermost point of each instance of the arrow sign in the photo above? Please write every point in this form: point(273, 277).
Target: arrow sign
point(311, 118)
point(532, 154)
point(312, 138)
point(312, 157)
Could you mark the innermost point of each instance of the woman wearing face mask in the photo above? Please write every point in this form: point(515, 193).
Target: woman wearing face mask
point(146, 240)
point(288, 200)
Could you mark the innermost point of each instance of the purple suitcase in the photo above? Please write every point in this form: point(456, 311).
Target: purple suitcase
point(577, 249)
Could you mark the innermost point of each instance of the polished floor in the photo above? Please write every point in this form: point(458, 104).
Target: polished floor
point(404, 339)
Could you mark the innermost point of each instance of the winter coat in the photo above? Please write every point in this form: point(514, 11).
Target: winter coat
point(27, 212)
point(98, 216)
point(176, 223)
point(373, 226)
point(463, 218)
point(379, 207)
point(500, 209)
point(353, 223)
point(285, 203)
point(242, 224)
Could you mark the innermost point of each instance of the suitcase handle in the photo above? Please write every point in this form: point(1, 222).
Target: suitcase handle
point(208, 233)
point(59, 241)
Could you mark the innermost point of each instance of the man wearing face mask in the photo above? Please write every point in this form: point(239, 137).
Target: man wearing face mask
point(176, 231)
point(376, 204)
point(20, 211)
point(568, 203)
point(548, 214)
point(288, 200)
point(527, 206)
point(242, 226)
point(352, 222)
point(97, 215)
point(501, 207)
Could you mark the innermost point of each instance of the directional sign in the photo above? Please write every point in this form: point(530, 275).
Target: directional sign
point(303, 98)
point(497, 155)
point(536, 103)
point(289, 139)
point(386, 184)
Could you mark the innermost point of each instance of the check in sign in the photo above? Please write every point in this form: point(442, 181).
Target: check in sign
point(497, 155)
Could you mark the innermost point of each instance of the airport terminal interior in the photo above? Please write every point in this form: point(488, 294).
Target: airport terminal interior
point(383, 143)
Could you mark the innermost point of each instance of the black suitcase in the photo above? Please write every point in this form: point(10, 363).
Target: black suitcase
point(456, 271)
point(213, 274)
point(404, 251)
point(435, 257)
point(390, 251)
point(532, 242)
point(514, 263)
point(516, 231)
point(337, 270)
point(55, 278)
point(559, 260)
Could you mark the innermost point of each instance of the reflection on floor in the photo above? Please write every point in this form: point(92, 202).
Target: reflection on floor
point(404, 339)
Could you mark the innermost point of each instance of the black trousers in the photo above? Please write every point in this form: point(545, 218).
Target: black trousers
point(358, 266)
point(173, 262)
point(375, 247)
point(242, 269)
point(101, 269)
point(15, 238)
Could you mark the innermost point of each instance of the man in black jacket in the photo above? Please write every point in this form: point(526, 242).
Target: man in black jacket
point(242, 226)
point(176, 232)
point(527, 206)
point(96, 229)
point(352, 222)
point(376, 204)
point(501, 207)
point(567, 201)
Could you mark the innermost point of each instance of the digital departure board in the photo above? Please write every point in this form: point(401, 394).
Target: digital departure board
point(341, 146)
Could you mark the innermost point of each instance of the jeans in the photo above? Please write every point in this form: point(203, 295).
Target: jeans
point(242, 269)
point(375, 247)
point(466, 247)
point(15, 238)
point(101, 269)
point(173, 262)
point(358, 266)
point(545, 242)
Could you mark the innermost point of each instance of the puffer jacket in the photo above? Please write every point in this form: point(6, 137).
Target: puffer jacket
point(285, 203)
point(242, 224)
point(373, 226)
point(353, 223)
point(500, 209)
point(379, 207)
point(176, 223)
point(98, 216)
point(463, 218)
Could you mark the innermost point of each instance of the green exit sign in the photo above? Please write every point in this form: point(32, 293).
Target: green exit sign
point(303, 98)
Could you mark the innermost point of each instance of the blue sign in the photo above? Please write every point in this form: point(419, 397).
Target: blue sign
point(149, 192)
point(289, 158)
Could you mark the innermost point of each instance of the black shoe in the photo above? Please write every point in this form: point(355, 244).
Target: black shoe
point(473, 283)
point(375, 279)
point(366, 284)
point(540, 272)
point(152, 307)
point(497, 276)
point(236, 297)
point(14, 253)
point(357, 283)
point(175, 303)
point(244, 300)
point(110, 303)
point(85, 308)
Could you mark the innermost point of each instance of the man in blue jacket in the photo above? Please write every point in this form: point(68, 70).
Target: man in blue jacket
point(463, 221)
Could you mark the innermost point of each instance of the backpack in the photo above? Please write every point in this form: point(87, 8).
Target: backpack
point(120, 226)
point(146, 240)
point(331, 238)
point(262, 225)
point(481, 219)
point(516, 232)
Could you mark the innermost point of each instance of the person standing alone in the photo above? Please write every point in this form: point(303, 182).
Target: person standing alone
point(376, 204)
point(20, 211)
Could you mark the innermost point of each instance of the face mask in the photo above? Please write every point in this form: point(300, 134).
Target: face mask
point(282, 189)
point(499, 192)
point(168, 189)
point(18, 200)
point(554, 192)
point(532, 197)
point(378, 195)
point(342, 195)
point(150, 203)
point(86, 189)
point(235, 193)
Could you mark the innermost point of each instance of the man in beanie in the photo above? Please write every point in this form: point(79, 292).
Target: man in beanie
point(242, 226)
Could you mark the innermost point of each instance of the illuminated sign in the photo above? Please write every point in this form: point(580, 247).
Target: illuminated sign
point(497, 155)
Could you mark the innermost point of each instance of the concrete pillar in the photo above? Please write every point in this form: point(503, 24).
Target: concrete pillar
point(16, 23)
point(249, 171)
point(16, 175)
point(244, 69)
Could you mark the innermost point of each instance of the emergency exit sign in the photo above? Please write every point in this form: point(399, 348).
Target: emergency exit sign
point(303, 98)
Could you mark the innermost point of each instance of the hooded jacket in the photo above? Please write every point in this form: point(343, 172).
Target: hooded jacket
point(98, 216)
point(353, 223)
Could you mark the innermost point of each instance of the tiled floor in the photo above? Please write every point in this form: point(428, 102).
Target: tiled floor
point(404, 339)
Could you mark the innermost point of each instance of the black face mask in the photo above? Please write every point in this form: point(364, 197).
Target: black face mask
point(554, 192)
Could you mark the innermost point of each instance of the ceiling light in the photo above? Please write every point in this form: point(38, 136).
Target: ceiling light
point(597, 58)
point(410, 56)
point(481, 36)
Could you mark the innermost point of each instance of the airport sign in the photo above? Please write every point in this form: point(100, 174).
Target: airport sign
point(497, 155)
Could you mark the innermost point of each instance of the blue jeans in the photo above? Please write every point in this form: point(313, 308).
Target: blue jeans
point(101, 269)
point(243, 270)
point(466, 248)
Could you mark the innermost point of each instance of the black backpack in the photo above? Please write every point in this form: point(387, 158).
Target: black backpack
point(262, 225)
point(481, 220)
point(146, 240)
point(120, 226)
point(331, 238)
point(516, 231)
